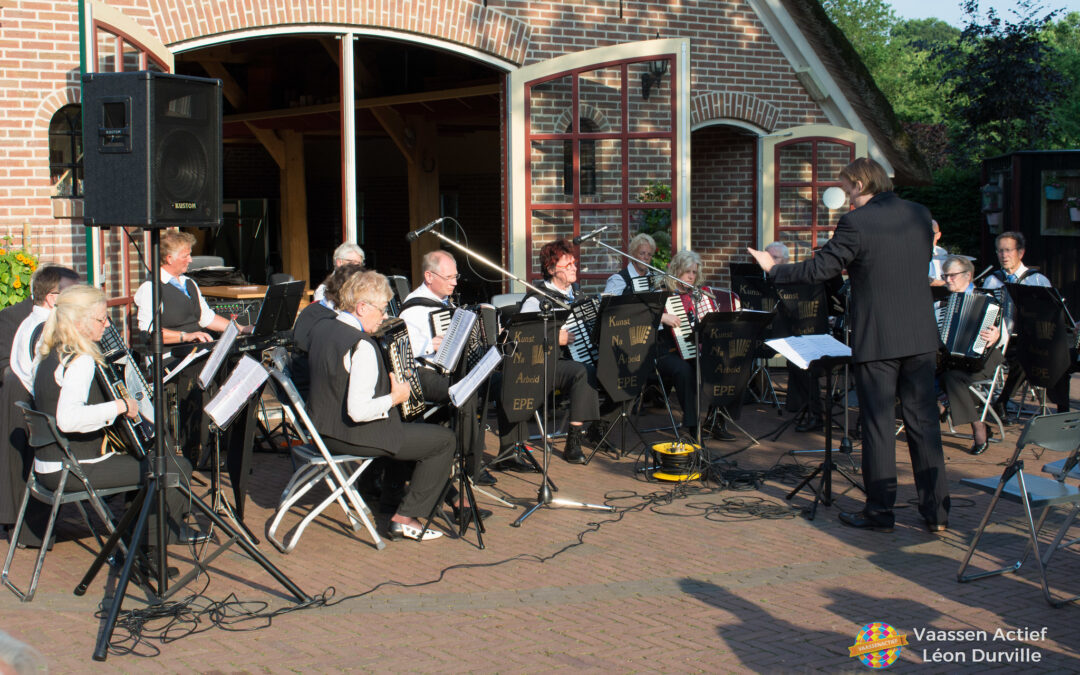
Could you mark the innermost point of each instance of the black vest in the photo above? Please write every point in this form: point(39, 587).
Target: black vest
point(628, 289)
point(178, 311)
point(331, 342)
point(46, 398)
point(305, 324)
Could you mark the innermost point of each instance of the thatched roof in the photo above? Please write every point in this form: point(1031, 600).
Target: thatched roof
point(852, 76)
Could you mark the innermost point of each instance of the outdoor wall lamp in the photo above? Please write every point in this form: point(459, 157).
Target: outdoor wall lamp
point(651, 78)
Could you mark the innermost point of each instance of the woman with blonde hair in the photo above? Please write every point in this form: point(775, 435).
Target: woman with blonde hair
point(66, 387)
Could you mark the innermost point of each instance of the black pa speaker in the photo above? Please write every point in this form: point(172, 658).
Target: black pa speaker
point(151, 150)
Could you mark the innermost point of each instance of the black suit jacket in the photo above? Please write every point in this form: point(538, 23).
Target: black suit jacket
point(10, 319)
point(886, 246)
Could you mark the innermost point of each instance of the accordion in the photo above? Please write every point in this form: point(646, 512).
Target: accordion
point(393, 340)
point(123, 379)
point(960, 320)
point(483, 333)
point(583, 321)
point(680, 306)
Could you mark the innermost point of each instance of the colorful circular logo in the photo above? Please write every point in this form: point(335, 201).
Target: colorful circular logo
point(878, 645)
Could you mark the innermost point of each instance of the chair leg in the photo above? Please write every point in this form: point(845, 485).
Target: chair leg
point(960, 576)
point(1055, 546)
point(13, 539)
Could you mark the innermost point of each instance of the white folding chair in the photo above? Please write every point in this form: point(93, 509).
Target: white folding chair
point(42, 431)
point(1057, 433)
point(317, 465)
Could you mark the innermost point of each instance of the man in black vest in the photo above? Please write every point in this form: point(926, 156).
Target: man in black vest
point(886, 244)
point(642, 249)
point(354, 402)
point(184, 317)
point(440, 280)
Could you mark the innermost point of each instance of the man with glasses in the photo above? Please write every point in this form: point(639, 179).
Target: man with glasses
point(15, 456)
point(957, 272)
point(642, 249)
point(346, 254)
point(440, 280)
point(1010, 253)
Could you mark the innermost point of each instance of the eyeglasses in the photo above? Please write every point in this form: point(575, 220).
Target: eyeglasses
point(103, 320)
point(1007, 250)
point(451, 277)
point(566, 266)
point(381, 310)
point(950, 275)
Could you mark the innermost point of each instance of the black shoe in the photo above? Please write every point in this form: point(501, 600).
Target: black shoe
point(936, 527)
point(861, 522)
point(980, 448)
point(514, 462)
point(597, 431)
point(572, 451)
point(722, 434)
point(811, 423)
point(189, 535)
point(484, 478)
point(457, 514)
point(944, 414)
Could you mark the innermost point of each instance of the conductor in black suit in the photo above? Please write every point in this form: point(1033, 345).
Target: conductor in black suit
point(885, 244)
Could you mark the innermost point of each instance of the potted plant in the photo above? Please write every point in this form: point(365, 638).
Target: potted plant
point(1074, 208)
point(16, 266)
point(1055, 189)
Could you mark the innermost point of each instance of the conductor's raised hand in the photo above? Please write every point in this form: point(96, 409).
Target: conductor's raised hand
point(762, 258)
point(399, 391)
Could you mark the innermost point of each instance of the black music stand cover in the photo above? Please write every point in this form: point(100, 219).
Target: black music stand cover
point(730, 341)
point(625, 340)
point(523, 366)
point(803, 310)
point(280, 306)
point(1044, 335)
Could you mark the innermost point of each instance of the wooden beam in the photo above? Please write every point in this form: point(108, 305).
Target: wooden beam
point(423, 187)
point(229, 87)
point(403, 137)
point(366, 103)
point(331, 46)
point(294, 225)
point(270, 140)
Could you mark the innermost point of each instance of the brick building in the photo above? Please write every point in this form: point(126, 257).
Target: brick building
point(522, 120)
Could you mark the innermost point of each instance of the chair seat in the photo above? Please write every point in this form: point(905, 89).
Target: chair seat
point(1041, 491)
point(1055, 468)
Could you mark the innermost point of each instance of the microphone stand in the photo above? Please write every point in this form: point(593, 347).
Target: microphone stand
point(544, 496)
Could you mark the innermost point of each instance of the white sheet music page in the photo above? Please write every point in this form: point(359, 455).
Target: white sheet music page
point(206, 375)
point(462, 390)
point(192, 355)
point(803, 349)
point(244, 380)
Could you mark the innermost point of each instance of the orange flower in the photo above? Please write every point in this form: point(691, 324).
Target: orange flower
point(3, 251)
point(17, 283)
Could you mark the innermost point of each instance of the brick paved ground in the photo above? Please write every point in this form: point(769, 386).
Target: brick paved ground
point(678, 585)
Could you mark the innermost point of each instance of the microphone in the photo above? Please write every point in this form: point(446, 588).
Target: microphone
point(585, 237)
point(415, 234)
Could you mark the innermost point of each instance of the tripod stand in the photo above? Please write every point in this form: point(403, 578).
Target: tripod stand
point(823, 493)
point(155, 482)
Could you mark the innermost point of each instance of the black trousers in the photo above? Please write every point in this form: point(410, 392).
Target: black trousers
point(120, 470)
point(678, 372)
point(804, 390)
point(962, 402)
point(569, 377)
point(878, 384)
point(430, 446)
point(436, 388)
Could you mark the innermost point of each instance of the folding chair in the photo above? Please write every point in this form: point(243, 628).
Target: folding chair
point(316, 465)
point(986, 391)
point(1058, 433)
point(42, 431)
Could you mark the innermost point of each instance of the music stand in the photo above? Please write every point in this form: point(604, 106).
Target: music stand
point(729, 342)
point(757, 292)
point(1042, 323)
point(626, 339)
point(279, 307)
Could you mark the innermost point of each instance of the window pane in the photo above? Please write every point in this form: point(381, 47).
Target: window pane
point(550, 106)
point(594, 260)
point(794, 163)
point(548, 169)
point(601, 171)
point(831, 157)
point(795, 206)
point(650, 163)
point(106, 50)
point(548, 225)
point(600, 99)
point(131, 57)
point(653, 114)
point(655, 222)
point(798, 244)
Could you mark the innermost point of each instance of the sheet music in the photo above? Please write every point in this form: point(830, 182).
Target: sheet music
point(244, 380)
point(192, 355)
point(803, 349)
point(463, 389)
point(206, 375)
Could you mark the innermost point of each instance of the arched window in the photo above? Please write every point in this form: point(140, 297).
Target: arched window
point(587, 160)
point(66, 152)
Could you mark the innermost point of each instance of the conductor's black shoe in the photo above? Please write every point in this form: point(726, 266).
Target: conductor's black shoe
point(484, 478)
point(459, 513)
point(189, 535)
point(861, 522)
point(572, 451)
point(980, 448)
point(811, 423)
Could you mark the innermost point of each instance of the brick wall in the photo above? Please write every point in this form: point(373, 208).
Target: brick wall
point(722, 199)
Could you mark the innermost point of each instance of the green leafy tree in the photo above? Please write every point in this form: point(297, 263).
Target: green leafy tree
point(657, 222)
point(1063, 38)
point(999, 83)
